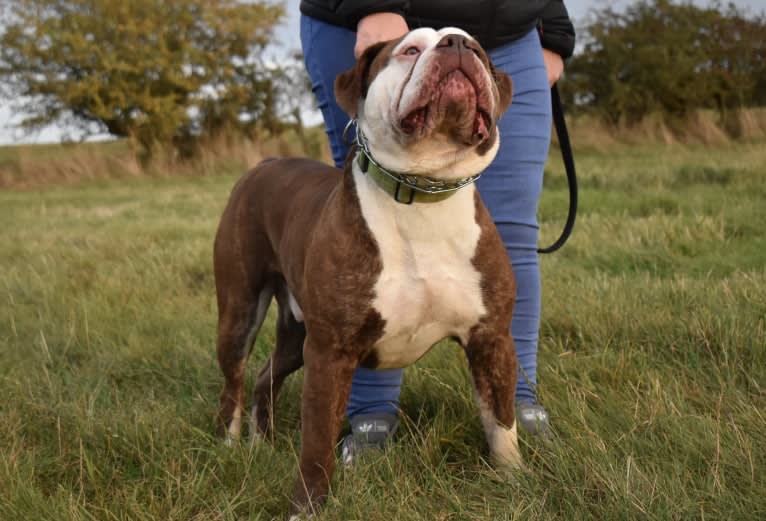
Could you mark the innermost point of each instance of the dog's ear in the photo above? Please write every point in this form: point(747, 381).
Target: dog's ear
point(351, 86)
point(504, 88)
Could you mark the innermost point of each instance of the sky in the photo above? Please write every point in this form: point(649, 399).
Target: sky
point(288, 38)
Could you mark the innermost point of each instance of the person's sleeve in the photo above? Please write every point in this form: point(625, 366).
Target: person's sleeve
point(354, 10)
point(556, 30)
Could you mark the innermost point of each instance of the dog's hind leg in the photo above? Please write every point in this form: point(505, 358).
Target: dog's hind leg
point(239, 320)
point(287, 358)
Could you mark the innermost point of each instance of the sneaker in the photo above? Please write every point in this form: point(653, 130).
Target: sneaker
point(534, 418)
point(368, 431)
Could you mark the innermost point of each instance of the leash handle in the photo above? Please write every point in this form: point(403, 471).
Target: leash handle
point(566, 153)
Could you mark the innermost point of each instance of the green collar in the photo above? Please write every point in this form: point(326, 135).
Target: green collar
point(406, 188)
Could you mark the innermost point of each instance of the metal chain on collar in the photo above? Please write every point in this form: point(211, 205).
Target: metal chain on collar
point(419, 183)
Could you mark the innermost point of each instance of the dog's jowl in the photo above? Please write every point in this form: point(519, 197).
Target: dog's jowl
point(373, 264)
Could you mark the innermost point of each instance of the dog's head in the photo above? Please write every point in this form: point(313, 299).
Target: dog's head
point(427, 102)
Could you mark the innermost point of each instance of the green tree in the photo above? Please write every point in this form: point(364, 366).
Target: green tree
point(737, 65)
point(661, 56)
point(155, 71)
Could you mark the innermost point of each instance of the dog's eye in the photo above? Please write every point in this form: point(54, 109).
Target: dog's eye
point(411, 51)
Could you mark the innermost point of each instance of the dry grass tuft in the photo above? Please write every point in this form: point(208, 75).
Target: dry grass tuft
point(700, 128)
point(31, 166)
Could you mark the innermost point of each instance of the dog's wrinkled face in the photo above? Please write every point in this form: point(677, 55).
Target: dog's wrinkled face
point(428, 102)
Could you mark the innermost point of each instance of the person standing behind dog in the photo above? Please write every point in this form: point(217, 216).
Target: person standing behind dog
point(527, 40)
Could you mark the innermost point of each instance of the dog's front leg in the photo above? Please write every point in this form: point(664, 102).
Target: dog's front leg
point(326, 385)
point(492, 358)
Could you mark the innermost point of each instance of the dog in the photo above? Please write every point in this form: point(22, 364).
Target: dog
point(372, 264)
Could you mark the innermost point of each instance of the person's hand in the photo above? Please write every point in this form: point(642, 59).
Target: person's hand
point(554, 65)
point(378, 27)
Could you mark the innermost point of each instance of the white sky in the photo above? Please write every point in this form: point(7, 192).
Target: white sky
point(289, 39)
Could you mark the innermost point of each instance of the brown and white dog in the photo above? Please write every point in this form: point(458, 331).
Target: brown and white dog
point(360, 278)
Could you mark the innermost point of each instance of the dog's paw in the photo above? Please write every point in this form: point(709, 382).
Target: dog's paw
point(503, 445)
point(509, 458)
point(508, 475)
point(230, 440)
point(257, 436)
point(231, 429)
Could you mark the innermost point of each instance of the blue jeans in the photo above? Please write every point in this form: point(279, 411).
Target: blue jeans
point(510, 187)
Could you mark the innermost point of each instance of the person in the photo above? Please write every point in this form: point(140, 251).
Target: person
point(529, 41)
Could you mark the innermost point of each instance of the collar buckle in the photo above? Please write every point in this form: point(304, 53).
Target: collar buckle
point(398, 191)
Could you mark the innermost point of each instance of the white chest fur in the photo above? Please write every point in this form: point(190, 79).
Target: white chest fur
point(428, 288)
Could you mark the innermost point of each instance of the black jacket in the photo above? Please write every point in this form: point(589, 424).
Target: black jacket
point(492, 22)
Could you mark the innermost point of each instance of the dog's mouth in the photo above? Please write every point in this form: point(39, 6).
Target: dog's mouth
point(457, 105)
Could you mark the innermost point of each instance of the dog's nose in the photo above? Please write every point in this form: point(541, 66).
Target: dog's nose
point(453, 42)
point(458, 43)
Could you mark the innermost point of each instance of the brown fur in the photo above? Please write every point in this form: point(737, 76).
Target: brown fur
point(351, 86)
point(296, 226)
point(490, 350)
point(280, 216)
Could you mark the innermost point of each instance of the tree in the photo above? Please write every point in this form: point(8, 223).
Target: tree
point(737, 63)
point(661, 56)
point(156, 71)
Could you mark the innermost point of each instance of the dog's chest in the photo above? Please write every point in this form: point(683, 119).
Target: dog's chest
point(429, 288)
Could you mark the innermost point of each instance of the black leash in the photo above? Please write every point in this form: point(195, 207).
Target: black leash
point(566, 154)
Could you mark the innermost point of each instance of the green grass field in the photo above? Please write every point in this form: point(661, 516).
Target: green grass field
point(652, 361)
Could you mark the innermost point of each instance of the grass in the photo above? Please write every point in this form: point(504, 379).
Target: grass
point(652, 360)
point(38, 166)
